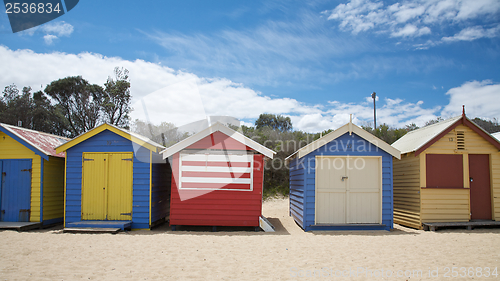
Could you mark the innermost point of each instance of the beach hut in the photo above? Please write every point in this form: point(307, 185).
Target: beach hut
point(217, 179)
point(343, 181)
point(31, 176)
point(449, 172)
point(114, 179)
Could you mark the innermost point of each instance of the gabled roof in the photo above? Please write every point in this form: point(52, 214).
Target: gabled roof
point(419, 140)
point(136, 138)
point(217, 127)
point(347, 128)
point(40, 143)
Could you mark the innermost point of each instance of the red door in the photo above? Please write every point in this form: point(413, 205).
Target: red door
point(480, 191)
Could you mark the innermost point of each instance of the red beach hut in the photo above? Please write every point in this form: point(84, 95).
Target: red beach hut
point(217, 179)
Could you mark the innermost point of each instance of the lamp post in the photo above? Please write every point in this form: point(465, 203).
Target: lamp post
point(374, 95)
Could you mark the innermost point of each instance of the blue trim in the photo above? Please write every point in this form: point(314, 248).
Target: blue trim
point(29, 146)
point(41, 189)
point(101, 224)
point(53, 221)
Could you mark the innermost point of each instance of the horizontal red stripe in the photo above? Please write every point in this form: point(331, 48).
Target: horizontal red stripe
point(216, 164)
point(216, 175)
point(215, 185)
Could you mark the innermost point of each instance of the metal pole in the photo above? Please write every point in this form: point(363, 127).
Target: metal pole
point(374, 112)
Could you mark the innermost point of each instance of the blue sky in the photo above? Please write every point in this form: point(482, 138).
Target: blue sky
point(315, 61)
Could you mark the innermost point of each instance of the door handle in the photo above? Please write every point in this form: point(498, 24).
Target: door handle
point(344, 178)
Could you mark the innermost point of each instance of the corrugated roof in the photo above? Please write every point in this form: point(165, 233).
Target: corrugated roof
point(414, 140)
point(45, 143)
point(496, 135)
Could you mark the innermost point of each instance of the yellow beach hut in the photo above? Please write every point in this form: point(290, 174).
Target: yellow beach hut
point(449, 172)
point(31, 178)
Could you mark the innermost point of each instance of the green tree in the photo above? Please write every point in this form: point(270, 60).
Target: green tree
point(116, 101)
point(275, 122)
point(79, 101)
point(165, 133)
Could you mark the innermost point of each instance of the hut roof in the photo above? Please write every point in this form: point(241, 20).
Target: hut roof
point(420, 139)
point(217, 127)
point(496, 135)
point(43, 144)
point(347, 128)
point(136, 138)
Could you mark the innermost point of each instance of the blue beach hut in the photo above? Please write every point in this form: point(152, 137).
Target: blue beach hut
point(343, 181)
point(115, 179)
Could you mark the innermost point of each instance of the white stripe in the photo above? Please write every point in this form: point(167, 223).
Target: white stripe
point(216, 169)
point(216, 158)
point(216, 180)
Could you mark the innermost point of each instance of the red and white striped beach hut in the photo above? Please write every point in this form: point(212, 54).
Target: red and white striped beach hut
point(217, 179)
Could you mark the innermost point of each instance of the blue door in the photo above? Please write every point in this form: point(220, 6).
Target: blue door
point(15, 190)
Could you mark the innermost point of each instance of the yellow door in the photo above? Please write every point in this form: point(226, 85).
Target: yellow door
point(120, 186)
point(94, 186)
point(107, 186)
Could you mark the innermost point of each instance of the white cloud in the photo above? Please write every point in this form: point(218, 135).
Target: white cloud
point(181, 98)
point(59, 28)
point(410, 19)
point(473, 33)
point(49, 39)
point(479, 97)
point(52, 31)
point(411, 31)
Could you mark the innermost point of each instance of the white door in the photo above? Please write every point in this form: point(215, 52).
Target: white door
point(348, 190)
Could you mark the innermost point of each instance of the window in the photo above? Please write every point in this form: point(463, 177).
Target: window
point(444, 170)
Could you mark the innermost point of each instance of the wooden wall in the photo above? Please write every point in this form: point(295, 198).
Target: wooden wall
point(441, 205)
point(297, 180)
point(53, 188)
point(108, 141)
point(12, 149)
point(445, 204)
point(407, 191)
point(217, 207)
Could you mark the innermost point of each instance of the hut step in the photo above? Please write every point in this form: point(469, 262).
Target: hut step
point(265, 224)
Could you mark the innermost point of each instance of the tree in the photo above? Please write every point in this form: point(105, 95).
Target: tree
point(411, 127)
point(275, 122)
point(79, 101)
point(433, 121)
point(17, 106)
point(487, 125)
point(116, 101)
point(166, 133)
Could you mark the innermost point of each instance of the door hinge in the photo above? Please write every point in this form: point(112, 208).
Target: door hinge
point(128, 159)
point(88, 159)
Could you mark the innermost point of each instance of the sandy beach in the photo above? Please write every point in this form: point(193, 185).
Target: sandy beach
point(232, 254)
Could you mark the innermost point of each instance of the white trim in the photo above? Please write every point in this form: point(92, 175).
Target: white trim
point(216, 180)
point(216, 169)
point(208, 158)
point(218, 157)
point(217, 127)
point(351, 128)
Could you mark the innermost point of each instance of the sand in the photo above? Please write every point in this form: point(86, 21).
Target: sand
point(232, 254)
